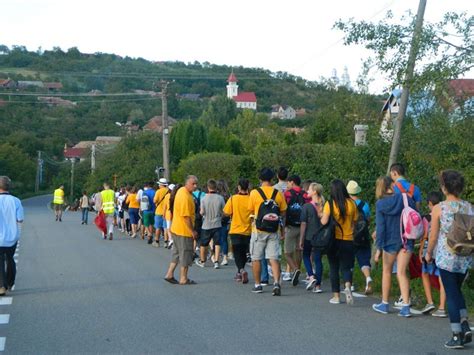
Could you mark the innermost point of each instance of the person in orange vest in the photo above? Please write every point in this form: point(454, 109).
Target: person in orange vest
point(58, 202)
point(108, 206)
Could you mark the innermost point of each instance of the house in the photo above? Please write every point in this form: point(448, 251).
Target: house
point(300, 112)
point(107, 140)
point(246, 100)
point(7, 84)
point(55, 86)
point(155, 124)
point(390, 109)
point(283, 112)
point(26, 84)
point(75, 153)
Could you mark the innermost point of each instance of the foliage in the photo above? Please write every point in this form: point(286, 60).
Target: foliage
point(15, 164)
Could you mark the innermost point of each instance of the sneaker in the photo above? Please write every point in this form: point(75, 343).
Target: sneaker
point(353, 288)
point(349, 298)
point(224, 261)
point(199, 263)
point(216, 265)
point(150, 241)
point(111, 236)
point(295, 278)
point(257, 289)
point(466, 332)
point(276, 290)
point(405, 312)
point(441, 313)
point(317, 289)
point(230, 256)
point(455, 342)
point(264, 283)
point(381, 307)
point(245, 276)
point(3, 291)
point(238, 277)
point(155, 244)
point(400, 304)
point(311, 284)
point(286, 276)
point(368, 288)
point(335, 300)
point(170, 245)
point(428, 308)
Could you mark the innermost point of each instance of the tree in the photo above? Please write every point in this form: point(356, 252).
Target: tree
point(219, 112)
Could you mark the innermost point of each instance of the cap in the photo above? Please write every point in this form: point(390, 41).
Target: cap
point(171, 187)
point(353, 188)
point(163, 181)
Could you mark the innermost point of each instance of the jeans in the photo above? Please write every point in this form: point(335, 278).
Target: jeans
point(7, 266)
point(341, 258)
point(317, 259)
point(264, 276)
point(85, 215)
point(452, 282)
point(224, 232)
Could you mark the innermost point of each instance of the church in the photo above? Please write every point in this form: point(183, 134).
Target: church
point(244, 99)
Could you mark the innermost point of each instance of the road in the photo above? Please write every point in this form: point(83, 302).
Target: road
point(76, 293)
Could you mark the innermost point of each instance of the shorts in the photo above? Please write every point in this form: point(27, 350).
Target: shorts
point(363, 255)
point(58, 206)
point(430, 269)
point(292, 238)
point(395, 248)
point(159, 222)
point(264, 245)
point(148, 218)
point(133, 213)
point(183, 250)
point(210, 234)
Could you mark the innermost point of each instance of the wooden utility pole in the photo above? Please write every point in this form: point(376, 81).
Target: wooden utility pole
point(164, 124)
point(415, 45)
point(71, 194)
point(93, 159)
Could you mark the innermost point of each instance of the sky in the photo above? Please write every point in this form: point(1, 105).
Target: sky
point(278, 35)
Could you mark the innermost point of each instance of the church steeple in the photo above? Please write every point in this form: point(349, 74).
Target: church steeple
point(232, 87)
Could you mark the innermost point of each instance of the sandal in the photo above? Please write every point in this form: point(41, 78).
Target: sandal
point(172, 280)
point(189, 282)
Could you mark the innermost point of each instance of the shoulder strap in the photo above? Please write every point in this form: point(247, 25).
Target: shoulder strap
point(400, 187)
point(331, 216)
point(360, 206)
point(405, 200)
point(260, 191)
point(411, 190)
point(274, 194)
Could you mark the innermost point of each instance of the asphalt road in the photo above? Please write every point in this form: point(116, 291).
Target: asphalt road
point(76, 293)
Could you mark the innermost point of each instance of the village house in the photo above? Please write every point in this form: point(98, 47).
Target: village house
point(155, 124)
point(283, 112)
point(7, 84)
point(25, 84)
point(245, 99)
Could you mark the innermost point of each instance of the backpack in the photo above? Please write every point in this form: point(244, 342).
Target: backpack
point(361, 228)
point(410, 192)
point(144, 202)
point(460, 237)
point(324, 237)
point(293, 213)
point(411, 223)
point(197, 211)
point(268, 218)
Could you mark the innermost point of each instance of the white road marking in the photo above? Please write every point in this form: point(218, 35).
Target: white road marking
point(4, 318)
point(2, 343)
point(5, 301)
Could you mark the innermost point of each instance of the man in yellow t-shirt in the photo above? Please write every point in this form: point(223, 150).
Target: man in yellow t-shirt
point(264, 244)
point(182, 230)
point(159, 201)
point(58, 203)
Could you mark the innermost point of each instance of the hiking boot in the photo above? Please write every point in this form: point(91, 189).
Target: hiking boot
point(295, 277)
point(199, 263)
point(428, 308)
point(455, 342)
point(405, 312)
point(257, 289)
point(466, 332)
point(238, 277)
point(381, 307)
point(245, 276)
point(276, 290)
point(441, 313)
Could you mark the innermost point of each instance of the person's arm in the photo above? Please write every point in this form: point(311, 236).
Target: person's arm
point(422, 242)
point(302, 234)
point(326, 214)
point(20, 216)
point(189, 223)
point(433, 240)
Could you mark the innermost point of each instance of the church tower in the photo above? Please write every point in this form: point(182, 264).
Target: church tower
point(232, 87)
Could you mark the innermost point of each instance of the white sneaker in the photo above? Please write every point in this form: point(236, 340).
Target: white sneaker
point(199, 263)
point(311, 284)
point(224, 261)
point(286, 276)
point(335, 300)
point(230, 256)
point(400, 304)
point(216, 265)
point(349, 298)
point(317, 289)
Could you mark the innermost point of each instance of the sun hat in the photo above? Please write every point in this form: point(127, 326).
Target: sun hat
point(171, 187)
point(353, 188)
point(163, 181)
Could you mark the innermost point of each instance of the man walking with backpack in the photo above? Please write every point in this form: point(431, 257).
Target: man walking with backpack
point(158, 200)
point(147, 206)
point(402, 185)
point(268, 207)
point(295, 201)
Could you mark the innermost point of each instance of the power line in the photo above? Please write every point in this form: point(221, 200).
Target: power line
point(81, 101)
point(79, 94)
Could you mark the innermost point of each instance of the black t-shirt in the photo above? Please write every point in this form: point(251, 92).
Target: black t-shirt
point(310, 217)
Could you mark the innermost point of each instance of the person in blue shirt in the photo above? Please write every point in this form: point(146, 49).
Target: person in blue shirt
point(402, 185)
point(11, 215)
point(149, 213)
point(363, 253)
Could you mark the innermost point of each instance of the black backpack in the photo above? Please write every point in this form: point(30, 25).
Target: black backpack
point(323, 239)
point(293, 213)
point(268, 218)
point(197, 211)
point(361, 228)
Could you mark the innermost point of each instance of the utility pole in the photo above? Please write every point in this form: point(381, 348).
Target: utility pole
point(415, 45)
point(164, 118)
point(93, 159)
point(38, 172)
point(71, 195)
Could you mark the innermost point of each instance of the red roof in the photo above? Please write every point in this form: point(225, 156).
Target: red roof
point(462, 87)
point(232, 78)
point(74, 152)
point(245, 97)
point(53, 85)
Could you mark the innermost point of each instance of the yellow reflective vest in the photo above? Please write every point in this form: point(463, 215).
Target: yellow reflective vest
point(108, 197)
point(58, 197)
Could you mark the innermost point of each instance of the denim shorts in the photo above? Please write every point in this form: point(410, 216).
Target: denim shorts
point(159, 222)
point(395, 248)
point(133, 213)
point(430, 269)
point(363, 255)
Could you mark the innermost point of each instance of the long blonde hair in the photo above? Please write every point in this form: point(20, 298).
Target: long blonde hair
point(318, 189)
point(382, 186)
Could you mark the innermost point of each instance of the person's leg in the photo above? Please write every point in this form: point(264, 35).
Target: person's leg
point(83, 215)
point(388, 261)
point(307, 248)
point(264, 275)
point(257, 251)
point(87, 215)
point(346, 261)
point(318, 263)
point(363, 255)
point(403, 259)
point(3, 270)
point(275, 264)
point(10, 266)
point(223, 240)
point(158, 225)
point(454, 298)
point(425, 277)
point(290, 248)
point(442, 295)
point(334, 271)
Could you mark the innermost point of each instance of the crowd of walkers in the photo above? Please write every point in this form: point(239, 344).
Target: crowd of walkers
point(293, 218)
